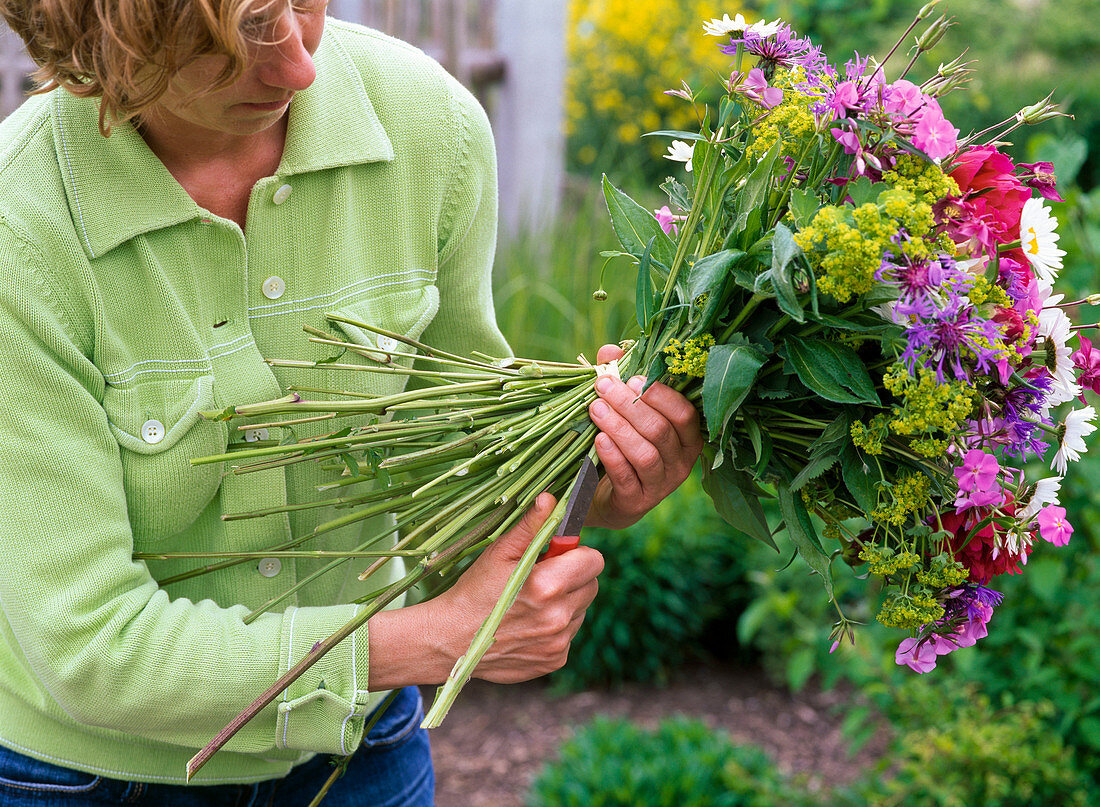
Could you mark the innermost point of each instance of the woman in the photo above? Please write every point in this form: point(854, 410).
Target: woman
point(208, 177)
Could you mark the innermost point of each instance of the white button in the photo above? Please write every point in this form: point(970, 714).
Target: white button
point(269, 567)
point(274, 287)
point(387, 343)
point(282, 193)
point(252, 435)
point(152, 431)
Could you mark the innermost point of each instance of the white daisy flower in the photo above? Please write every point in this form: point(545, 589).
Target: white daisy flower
point(1046, 492)
point(681, 152)
point(1039, 239)
point(726, 26)
point(1077, 426)
point(1056, 328)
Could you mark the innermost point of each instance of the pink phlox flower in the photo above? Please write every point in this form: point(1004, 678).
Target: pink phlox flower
point(852, 145)
point(903, 98)
point(917, 655)
point(667, 219)
point(934, 134)
point(1087, 360)
point(755, 88)
point(978, 483)
point(845, 98)
point(1053, 526)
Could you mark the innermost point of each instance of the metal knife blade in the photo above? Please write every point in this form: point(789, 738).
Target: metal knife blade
point(576, 510)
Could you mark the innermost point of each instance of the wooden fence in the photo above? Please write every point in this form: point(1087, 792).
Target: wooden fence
point(511, 53)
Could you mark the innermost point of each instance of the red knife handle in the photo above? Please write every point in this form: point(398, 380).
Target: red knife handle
point(560, 544)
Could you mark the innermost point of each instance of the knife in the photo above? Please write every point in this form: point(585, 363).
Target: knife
point(568, 535)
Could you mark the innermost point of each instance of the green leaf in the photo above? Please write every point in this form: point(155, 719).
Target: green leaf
point(867, 324)
point(737, 500)
point(676, 134)
point(784, 252)
point(804, 205)
point(832, 370)
point(678, 194)
point(859, 477)
point(657, 369)
point(817, 465)
point(863, 191)
point(801, 530)
point(635, 226)
point(707, 273)
point(755, 437)
point(645, 302)
point(730, 372)
point(756, 187)
point(351, 464)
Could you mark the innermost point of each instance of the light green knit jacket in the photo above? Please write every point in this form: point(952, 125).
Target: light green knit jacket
point(125, 310)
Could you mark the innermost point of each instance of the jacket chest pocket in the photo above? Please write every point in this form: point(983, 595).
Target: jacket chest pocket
point(405, 313)
point(160, 428)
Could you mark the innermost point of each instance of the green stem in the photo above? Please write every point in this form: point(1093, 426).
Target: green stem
point(394, 591)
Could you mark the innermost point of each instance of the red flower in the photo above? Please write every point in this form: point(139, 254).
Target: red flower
point(981, 556)
point(992, 197)
point(1087, 359)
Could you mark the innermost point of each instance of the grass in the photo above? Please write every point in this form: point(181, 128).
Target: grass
point(543, 283)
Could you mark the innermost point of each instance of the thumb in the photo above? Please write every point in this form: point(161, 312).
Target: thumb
point(509, 548)
point(608, 353)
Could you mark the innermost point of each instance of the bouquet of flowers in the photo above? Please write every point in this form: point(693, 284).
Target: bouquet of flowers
point(860, 301)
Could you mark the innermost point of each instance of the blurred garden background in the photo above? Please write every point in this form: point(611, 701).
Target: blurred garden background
point(1012, 721)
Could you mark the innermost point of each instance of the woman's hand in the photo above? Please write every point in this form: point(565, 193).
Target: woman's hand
point(420, 644)
point(646, 445)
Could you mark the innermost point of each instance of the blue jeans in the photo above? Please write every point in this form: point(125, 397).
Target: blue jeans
point(392, 768)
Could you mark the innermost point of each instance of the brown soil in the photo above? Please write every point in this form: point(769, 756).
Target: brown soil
point(493, 742)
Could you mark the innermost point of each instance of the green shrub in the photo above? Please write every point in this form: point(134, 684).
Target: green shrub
point(614, 763)
point(623, 55)
point(671, 587)
point(965, 753)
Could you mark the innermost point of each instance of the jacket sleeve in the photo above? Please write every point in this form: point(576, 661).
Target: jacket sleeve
point(84, 623)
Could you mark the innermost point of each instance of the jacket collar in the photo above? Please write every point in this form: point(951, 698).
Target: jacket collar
point(118, 189)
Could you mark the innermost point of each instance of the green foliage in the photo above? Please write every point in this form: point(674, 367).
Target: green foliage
point(669, 583)
point(543, 284)
point(614, 763)
point(963, 752)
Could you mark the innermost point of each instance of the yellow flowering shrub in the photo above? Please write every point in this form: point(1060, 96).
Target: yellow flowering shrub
point(623, 55)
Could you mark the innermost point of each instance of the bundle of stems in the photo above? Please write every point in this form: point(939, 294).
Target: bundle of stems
point(472, 452)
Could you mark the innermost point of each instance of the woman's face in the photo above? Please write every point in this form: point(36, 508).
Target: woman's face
point(260, 96)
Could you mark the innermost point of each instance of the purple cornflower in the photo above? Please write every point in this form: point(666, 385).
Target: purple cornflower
point(922, 282)
point(1023, 413)
point(973, 601)
point(781, 49)
point(952, 332)
point(839, 97)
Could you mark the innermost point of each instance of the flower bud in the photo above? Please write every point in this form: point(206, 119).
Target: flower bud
point(933, 33)
point(1093, 299)
point(927, 9)
point(1042, 111)
point(599, 295)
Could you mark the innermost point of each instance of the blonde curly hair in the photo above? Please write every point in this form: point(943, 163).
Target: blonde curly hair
point(125, 52)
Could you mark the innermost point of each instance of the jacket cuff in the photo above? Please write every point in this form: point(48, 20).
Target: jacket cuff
point(324, 711)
